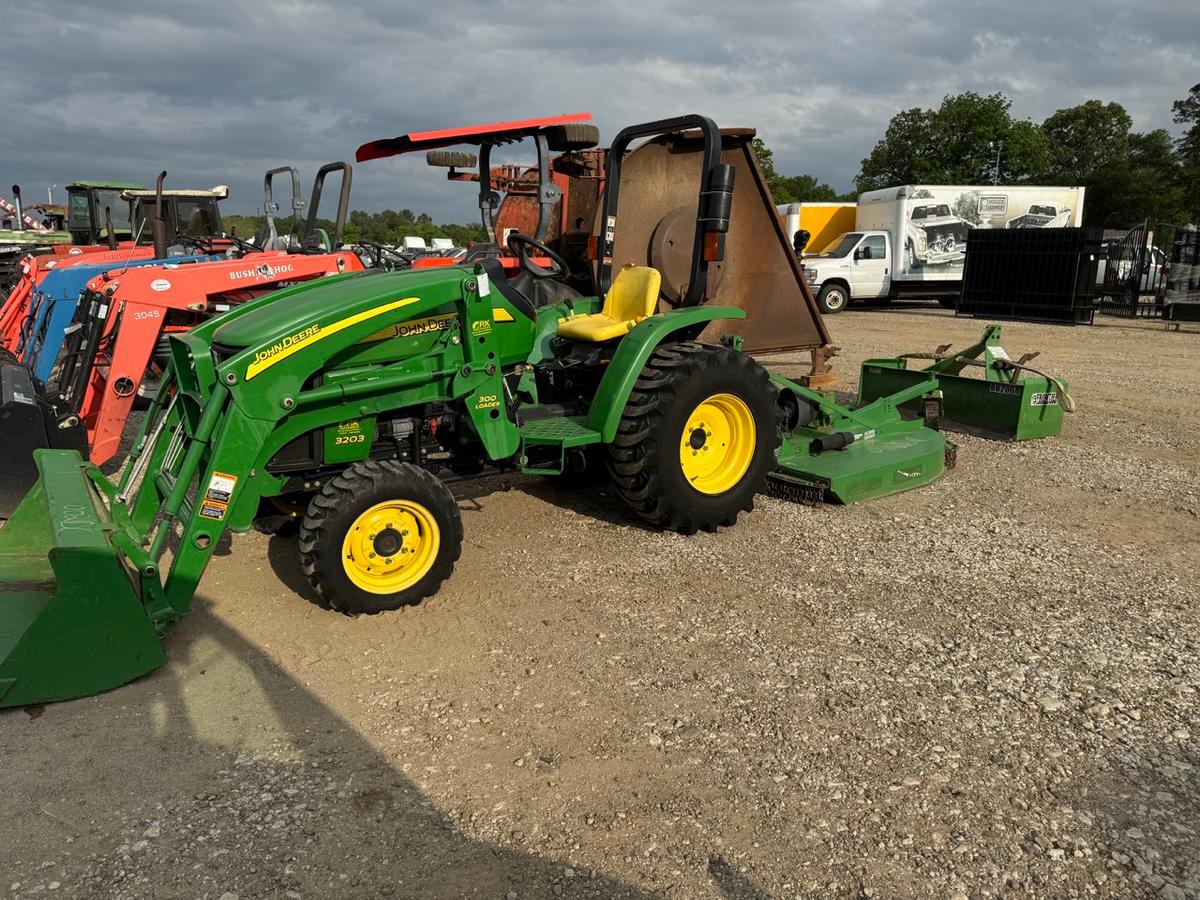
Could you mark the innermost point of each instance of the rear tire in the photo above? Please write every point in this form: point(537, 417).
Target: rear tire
point(692, 400)
point(381, 535)
point(833, 299)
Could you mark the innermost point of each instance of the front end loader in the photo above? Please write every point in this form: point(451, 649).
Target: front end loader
point(88, 354)
point(361, 398)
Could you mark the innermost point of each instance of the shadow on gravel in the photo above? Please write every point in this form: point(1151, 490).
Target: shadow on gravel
point(1146, 800)
point(222, 773)
point(596, 499)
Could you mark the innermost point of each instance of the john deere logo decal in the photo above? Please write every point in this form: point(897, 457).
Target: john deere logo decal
point(268, 356)
point(411, 328)
point(279, 346)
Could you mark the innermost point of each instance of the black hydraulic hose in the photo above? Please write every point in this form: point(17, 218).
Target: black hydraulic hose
point(839, 440)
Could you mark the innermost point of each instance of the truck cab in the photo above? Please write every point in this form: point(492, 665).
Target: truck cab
point(857, 266)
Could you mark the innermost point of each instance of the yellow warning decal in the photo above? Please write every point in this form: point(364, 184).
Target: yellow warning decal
point(281, 350)
point(215, 502)
point(499, 314)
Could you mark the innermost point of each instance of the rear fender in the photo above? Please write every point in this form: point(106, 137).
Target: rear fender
point(635, 349)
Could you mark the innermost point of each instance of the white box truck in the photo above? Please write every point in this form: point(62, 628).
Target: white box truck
point(910, 241)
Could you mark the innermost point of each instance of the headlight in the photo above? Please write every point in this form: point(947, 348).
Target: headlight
point(811, 275)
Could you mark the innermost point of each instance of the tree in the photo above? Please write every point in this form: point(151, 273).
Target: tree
point(806, 189)
point(1129, 176)
point(387, 227)
point(793, 189)
point(1187, 112)
point(955, 144)
point(906, 155)
point(1082, 140)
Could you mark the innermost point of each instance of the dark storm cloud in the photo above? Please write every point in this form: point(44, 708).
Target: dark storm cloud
point(218, 92)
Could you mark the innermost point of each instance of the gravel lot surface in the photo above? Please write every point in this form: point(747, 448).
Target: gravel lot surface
point(986, 688)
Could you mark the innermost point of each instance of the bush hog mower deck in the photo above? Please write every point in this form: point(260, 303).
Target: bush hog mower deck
point(1005, 404)
point(360, 397)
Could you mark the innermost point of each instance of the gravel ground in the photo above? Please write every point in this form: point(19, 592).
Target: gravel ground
point(984, 688)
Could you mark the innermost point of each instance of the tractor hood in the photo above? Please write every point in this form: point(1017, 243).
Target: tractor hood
point(323, 304)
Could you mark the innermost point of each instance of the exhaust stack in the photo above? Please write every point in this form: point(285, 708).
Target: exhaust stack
point(159, 229)
point(19, 219)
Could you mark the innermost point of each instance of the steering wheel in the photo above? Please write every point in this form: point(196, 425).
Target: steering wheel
point(522, 244)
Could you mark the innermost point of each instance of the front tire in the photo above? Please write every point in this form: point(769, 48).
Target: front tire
point(697, 438)
point(381, 535)
point(833, 299)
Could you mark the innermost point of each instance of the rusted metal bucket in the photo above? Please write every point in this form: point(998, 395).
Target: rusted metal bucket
point(760, 274)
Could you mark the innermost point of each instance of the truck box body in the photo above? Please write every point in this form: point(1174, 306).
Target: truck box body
point(825, 222)
point(932, 220)
point(912, 240)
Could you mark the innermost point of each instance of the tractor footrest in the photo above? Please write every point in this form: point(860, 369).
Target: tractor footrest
point(560, 433)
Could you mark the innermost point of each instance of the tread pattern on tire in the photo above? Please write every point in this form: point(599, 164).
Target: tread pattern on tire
point(447, 159)
point(572, 136)
point(334, 497)
point(632, 453)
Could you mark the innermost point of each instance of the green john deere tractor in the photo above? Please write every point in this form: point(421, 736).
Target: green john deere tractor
point(360, 397)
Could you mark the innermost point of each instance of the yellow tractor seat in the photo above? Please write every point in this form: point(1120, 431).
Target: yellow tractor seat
point(632, 297)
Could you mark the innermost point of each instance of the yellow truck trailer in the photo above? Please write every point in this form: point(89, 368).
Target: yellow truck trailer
point(825, 222)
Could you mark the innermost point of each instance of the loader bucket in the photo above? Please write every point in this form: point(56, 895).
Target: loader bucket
point(656, 226)
point(29, 420)
point(71, 621)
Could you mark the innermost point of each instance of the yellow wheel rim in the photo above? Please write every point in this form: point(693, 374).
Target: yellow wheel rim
point(390, 547)
point(717, 445)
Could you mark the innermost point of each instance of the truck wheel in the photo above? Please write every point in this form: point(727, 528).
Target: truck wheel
point(381, 535)
point(697, 438)
point(833, 299)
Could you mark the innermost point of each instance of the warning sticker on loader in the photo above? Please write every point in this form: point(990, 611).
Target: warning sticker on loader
point(216, 499)
point(1049, 398)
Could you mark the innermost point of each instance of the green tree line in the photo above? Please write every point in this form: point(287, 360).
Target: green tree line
point(388, 227)
point(969, 138)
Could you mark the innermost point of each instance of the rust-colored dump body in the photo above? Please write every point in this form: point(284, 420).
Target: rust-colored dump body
point(580, 177)
point(656, 223)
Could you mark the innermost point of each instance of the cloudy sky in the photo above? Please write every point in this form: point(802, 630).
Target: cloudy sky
point(217, 92)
